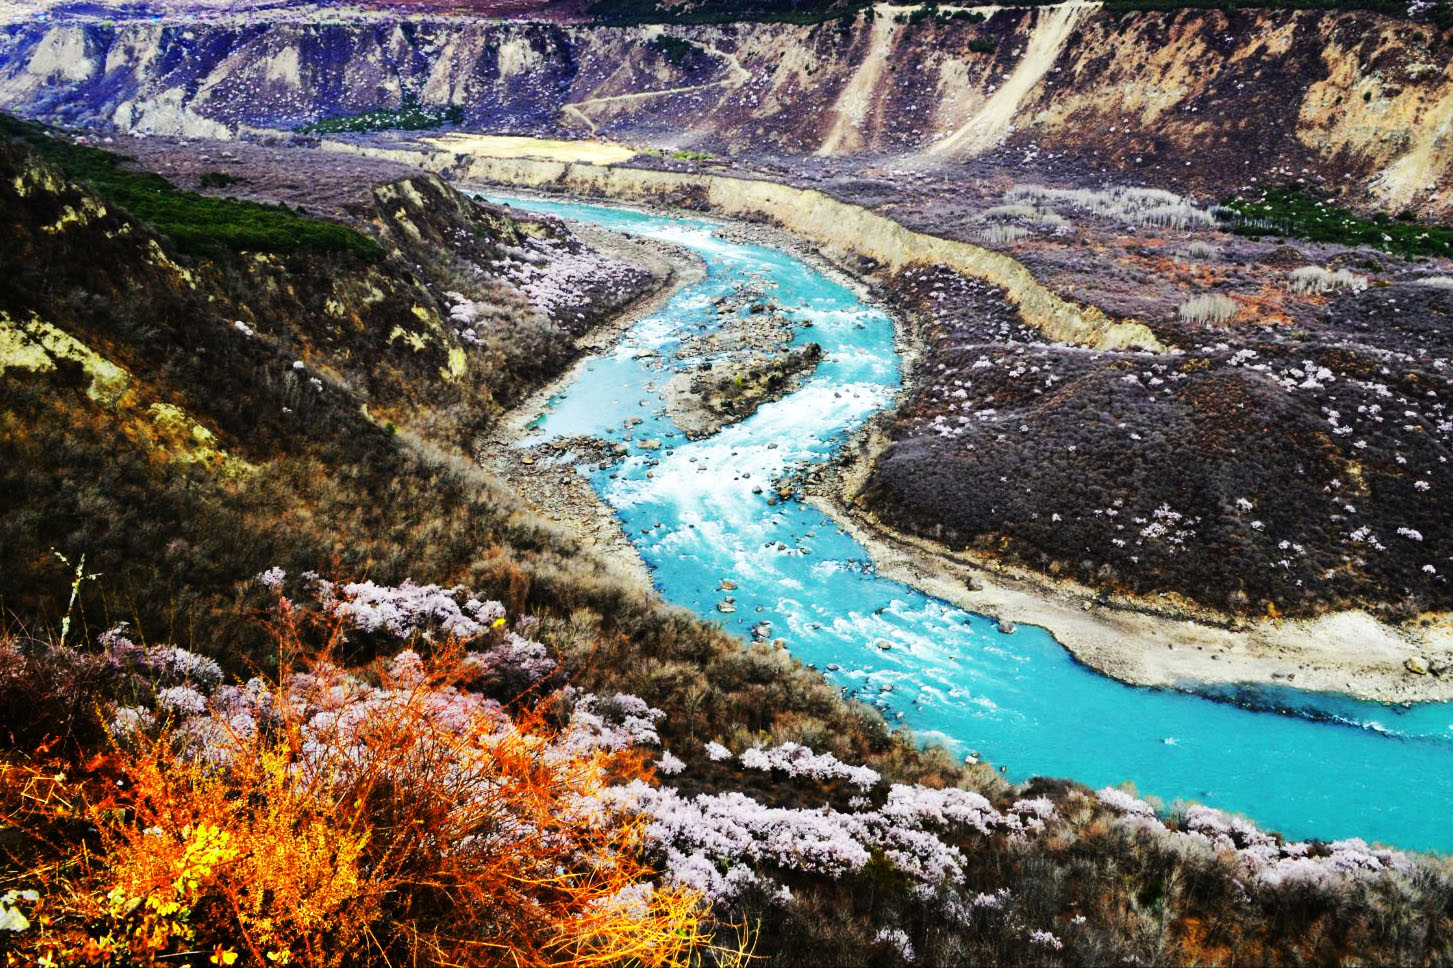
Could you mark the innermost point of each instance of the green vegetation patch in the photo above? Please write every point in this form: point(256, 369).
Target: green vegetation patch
point(1292, 213)
point(220, 179)
point(632, 12)
point(931, 11)
point(410, 117)
point(674, 49)
point(197, 224)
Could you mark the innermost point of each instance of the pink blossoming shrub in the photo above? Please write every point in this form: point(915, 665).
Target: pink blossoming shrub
point(409, 612)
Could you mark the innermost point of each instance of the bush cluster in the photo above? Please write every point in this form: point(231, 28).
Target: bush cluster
point(321, 819)
point(413, 810)
point(1294, 213)
point(1252, 473)
point(633, 12)
point(410, 117)
point(1388, 8)
point(674, 49)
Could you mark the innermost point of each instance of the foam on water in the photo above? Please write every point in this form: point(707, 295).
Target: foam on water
point(1306, 764)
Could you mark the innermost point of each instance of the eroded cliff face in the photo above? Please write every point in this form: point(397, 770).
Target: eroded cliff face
point(1199, 100)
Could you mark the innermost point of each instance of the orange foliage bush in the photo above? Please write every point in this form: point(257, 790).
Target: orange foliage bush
point(415, 824)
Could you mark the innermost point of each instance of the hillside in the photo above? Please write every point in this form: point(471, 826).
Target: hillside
point(208, 392)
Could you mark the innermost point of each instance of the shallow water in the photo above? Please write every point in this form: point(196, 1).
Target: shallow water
point(1336, 768)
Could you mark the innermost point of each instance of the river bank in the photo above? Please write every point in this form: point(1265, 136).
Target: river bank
point(709, 519)
point(544, 475)
point(1137, 641)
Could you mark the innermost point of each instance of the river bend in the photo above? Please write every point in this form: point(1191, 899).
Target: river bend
point(1339, 768)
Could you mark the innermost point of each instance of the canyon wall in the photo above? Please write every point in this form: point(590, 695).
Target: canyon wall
point(1202, 101)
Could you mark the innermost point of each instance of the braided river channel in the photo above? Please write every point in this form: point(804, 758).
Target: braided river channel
point(1308, 765)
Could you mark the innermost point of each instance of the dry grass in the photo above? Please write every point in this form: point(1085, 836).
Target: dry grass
point(1208, 309)
point(1315, 280)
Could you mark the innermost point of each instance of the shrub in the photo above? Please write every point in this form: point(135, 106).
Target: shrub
point(316, 820)
point(1133, 206)
point(1203, 250)
point(1315, 280)
point(219, 179)
point(1391, 8)
point(1001, 234)
point(410, 117)
point(632, 12)
point(674, 49)
point(1290, 211)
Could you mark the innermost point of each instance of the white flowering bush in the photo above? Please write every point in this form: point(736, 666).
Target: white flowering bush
point(720, 844)
point(896, 940)
point(409, 611)
point(796, 760)
point(1315, 280)
point(1153, 207)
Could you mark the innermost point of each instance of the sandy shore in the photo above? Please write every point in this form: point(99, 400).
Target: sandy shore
point(1151, 642)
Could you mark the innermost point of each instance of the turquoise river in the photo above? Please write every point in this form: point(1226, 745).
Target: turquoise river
point(1319, 766)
